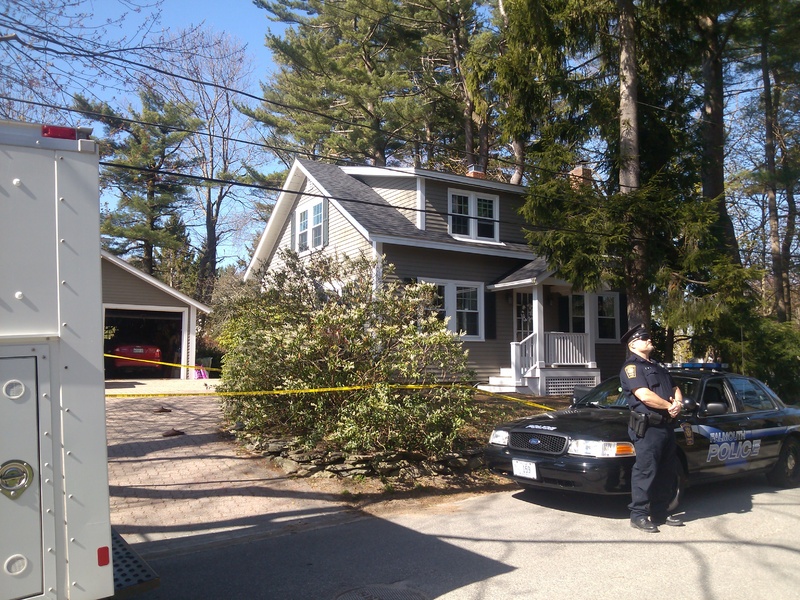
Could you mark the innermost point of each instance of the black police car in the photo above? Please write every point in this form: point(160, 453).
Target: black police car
point(731, 425)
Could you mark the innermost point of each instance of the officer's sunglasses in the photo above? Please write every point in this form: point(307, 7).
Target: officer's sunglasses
point(643, 337)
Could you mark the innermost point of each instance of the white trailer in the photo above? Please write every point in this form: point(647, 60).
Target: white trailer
point(55, 532)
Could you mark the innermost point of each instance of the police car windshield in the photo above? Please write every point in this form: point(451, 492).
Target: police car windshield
point(687, 385)
point(606, 394)
point(609, 394)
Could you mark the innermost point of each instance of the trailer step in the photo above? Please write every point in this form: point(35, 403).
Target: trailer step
point(132, 575)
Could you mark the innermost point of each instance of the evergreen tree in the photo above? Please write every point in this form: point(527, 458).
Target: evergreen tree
point(141, 152)
point(767, 46)
point(346, 86)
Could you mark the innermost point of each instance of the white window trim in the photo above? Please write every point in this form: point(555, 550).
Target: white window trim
point(473, 214)
point(308, 208)
point(615, 339)
point(450, 286)
point(572, 316)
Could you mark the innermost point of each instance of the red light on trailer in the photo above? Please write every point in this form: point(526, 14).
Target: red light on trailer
point(61, 133)
point(103, 556)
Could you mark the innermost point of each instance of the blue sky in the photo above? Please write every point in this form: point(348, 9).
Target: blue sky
point(240, 18)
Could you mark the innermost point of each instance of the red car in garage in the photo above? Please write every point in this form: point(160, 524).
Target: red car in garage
point(137, 356)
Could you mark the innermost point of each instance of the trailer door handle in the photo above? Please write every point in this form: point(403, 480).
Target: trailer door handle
point(15, 477)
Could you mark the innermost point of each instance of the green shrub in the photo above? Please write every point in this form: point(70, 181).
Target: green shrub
point(326, 322)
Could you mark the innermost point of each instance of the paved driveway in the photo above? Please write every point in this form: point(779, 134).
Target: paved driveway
point(177, 483)
point(187, 502)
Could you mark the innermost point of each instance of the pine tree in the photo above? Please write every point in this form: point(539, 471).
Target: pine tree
point(141, 153)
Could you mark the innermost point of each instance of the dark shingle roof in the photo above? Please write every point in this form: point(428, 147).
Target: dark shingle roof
point(374, 213)
point(365, 205)
point(530, 272)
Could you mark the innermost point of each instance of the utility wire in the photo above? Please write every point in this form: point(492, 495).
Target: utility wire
point(276, 149)
point(113, 58)
point(355, 201)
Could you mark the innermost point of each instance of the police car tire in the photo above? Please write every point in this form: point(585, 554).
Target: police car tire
point(786, 472)
point(680, 486)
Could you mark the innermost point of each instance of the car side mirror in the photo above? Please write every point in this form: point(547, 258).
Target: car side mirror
point(579, 391)
point(714, 409)
point(689, 404)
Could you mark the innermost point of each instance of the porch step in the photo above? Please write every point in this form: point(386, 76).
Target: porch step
point(505, 389)
point(505, 384)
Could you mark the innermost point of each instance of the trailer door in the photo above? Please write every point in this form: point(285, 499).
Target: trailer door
point(21, 558)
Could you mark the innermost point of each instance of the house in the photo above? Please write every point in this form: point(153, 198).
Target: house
point(525, 329)
point(140, 309)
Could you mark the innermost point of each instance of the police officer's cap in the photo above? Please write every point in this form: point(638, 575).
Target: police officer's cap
point(634, 333)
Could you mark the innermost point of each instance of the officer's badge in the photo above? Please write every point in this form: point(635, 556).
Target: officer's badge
point(688, 433)
point(630, 371)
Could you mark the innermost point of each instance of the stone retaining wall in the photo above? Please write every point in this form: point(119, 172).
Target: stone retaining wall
point(295, 460)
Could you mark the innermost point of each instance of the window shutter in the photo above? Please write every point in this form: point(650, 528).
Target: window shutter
point(563, 314)
point(292, 242)
point(623, 313)
point(490, 315)
point(325, 222)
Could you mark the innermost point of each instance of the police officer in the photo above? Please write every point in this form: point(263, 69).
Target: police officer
point(655, 401)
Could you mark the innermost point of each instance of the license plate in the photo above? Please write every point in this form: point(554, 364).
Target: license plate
point(524, 468)
point(138, 350)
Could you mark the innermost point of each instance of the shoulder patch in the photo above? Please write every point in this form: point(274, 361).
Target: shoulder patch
point(630, 371)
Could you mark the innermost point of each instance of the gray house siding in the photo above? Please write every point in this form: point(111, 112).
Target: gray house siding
point(437, 199)
point(486, 357)
point(610, 358)
point(120, 287)
point(400, 192)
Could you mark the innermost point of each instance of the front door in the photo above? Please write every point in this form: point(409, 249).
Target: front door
point(523, 315)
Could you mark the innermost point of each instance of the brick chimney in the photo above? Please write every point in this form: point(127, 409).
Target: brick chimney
point(580, 175)
point(475, 172)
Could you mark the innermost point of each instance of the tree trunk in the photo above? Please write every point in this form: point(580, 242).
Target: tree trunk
point(207, 265)
point(778, 274)
point(629, 171)
point(713, 132)
point(518, 147)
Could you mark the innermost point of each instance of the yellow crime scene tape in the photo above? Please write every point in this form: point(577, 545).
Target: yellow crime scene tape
point(351, 388)
point(157, 362)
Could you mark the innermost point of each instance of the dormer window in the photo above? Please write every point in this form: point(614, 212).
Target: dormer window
point(311, 227)
point(473, 216)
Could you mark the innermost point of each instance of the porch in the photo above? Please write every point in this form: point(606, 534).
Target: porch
point(555, 332)
point(551, 364)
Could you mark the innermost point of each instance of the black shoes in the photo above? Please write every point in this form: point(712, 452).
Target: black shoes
point(644, 524)
point(671, 520)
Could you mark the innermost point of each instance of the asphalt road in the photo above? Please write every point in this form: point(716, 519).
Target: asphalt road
point(741, 540)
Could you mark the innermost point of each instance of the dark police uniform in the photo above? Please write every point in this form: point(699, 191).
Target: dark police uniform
point(654, 473)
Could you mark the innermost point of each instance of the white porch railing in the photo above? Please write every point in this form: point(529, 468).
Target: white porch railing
point(566, 348)
point(523, 356)
point(562, 349)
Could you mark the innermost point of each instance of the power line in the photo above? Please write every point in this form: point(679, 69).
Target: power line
point(276, 149)
point(352, 200)
point(114, 59)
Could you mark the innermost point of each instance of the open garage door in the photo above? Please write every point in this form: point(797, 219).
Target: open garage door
point(141, 338)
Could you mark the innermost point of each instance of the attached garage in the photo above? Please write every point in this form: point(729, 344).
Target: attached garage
point(142, 315)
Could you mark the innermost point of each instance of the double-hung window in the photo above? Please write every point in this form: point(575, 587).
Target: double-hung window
point(311, 225)
point(302, 231)
point(473, 215)
point(461, 303)
point(316, 225)
point(608, 316)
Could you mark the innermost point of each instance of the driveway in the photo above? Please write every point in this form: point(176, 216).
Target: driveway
point(178, 483)
point(217, 523)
